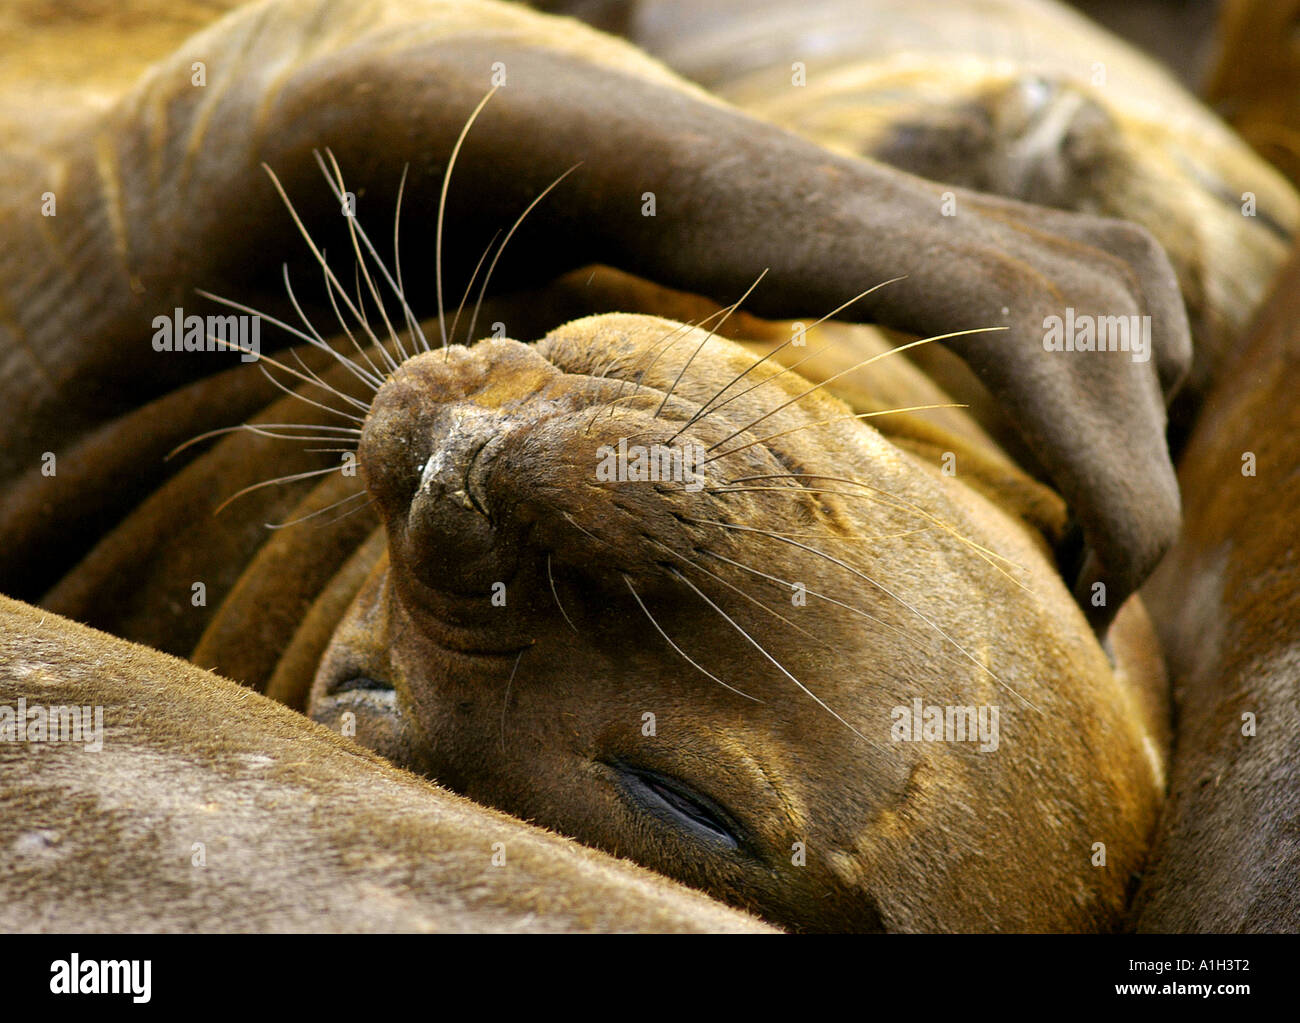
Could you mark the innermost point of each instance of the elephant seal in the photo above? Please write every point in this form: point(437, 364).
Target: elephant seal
point(1021, 98)
point(1227, 602)
point(197, 805)
point(710, 672)
point(288, 79)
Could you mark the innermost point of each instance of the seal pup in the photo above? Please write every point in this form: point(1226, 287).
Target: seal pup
point(723, 673)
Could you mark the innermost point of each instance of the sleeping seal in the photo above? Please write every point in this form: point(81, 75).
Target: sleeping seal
point(730, 670)
point(853, 795)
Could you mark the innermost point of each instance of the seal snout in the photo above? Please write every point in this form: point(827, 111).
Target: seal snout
point(450, 522)
point(435, 431)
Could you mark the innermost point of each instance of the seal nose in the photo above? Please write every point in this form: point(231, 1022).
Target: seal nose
point(435, 431)
point(455, 470)
point(451, 531)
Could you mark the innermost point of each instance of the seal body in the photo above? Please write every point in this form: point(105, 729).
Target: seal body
point(1253, 82)
point(195, 805)
point(1226, 603)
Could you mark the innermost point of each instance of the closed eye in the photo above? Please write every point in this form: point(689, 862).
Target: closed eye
point(676, 804)
point(356, 683)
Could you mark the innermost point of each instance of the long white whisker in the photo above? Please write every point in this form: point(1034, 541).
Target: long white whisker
point(442, 208)
point(779, 666)
point(679, 650)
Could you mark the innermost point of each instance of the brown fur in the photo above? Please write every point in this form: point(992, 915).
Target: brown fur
point(300, 830)
point(1255, 83)
point(1002, 97)
point(517, 708)
point(74, 317)
point(1227, 601)
point(75, 309)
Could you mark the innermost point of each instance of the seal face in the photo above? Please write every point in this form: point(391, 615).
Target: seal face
point(713, 666)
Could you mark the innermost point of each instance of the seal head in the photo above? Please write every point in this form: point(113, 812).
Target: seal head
point(731, 669)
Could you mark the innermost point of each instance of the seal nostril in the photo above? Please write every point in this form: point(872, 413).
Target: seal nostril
point(476, 471)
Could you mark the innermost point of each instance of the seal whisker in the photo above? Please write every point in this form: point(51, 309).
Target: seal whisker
point(505, 704)
point(320, 257)
point(312, 377)
point(551, 579)
point(889, 593)
point(316, 379)
point(319, 511)
point(750, 597)
point(358, 234)
point(372, 381)
point(269, 483)
point(982, 552)
point(680, 651)
point(860, 365)
point(442, 207)
point(350, 511)
point(274, 321)
point(707, 337)
point(832, 537)
point(821, 596)
point(902, 633)
point(290, 370)
point(705, 410)
point(779, 666)
point(390, 365)
point(354, 225)
point(653, 354)
point(487, 277)
point(894, 501)
point(470, 287)
point(571, 521)
point(309, 401)
point(412, 324)
point(835, 419)
point(258, 429)
point(755, 386)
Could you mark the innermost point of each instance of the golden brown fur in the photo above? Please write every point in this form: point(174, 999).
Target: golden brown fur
point(210, 808)
point(1227, 601)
